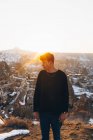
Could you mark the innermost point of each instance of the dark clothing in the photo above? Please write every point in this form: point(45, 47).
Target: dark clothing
point(51, 92)
point(45, 120)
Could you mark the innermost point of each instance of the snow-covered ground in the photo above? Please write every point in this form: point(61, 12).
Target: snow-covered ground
point(22, 102)
point(13, 133)
point(3, 136)
point(80, 91)
point(91, 121)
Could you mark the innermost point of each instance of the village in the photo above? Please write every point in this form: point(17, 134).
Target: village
point(17, 85)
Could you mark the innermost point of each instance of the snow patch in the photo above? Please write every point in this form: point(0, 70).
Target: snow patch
point(81, 91)
point(91, 121)
point(13, 133)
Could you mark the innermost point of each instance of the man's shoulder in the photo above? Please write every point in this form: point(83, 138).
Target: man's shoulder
point(42, 72)
point(62, 72)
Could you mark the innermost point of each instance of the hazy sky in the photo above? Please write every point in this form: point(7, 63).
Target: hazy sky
point(47, 25)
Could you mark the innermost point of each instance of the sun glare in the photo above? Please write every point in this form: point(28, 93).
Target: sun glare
point(39, 50)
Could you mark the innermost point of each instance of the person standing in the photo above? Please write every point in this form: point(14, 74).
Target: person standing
point(51, 97)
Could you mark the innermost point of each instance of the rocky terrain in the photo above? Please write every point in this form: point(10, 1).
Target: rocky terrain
point(17, 84)
point(72, 129)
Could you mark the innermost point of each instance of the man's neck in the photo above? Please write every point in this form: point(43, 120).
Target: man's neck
point(52, 69)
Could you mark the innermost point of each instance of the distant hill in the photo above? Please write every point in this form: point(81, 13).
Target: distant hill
point(80, 56)
point(15, 54)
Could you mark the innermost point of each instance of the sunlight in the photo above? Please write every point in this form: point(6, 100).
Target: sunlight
point(39, 49)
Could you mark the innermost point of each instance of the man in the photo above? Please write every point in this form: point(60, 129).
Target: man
point(51, 98)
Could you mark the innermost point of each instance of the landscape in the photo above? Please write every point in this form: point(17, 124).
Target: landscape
point(29, 28)
point(18, 74)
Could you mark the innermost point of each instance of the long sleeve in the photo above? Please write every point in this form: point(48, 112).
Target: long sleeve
point(36, 99)
point(66, 96)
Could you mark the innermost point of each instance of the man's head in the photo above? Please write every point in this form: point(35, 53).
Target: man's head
point(47, 57)
point(47, 60)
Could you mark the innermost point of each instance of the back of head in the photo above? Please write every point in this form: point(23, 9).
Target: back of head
point(47, 57)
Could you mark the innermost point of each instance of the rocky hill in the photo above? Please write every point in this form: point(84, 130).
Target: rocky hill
point(17, 84)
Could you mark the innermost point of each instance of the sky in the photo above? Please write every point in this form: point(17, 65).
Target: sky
point(47, 25)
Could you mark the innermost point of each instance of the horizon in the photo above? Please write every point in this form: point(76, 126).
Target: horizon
point(31, 51)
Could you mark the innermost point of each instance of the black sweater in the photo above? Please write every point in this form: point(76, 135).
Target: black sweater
point(51, 92)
